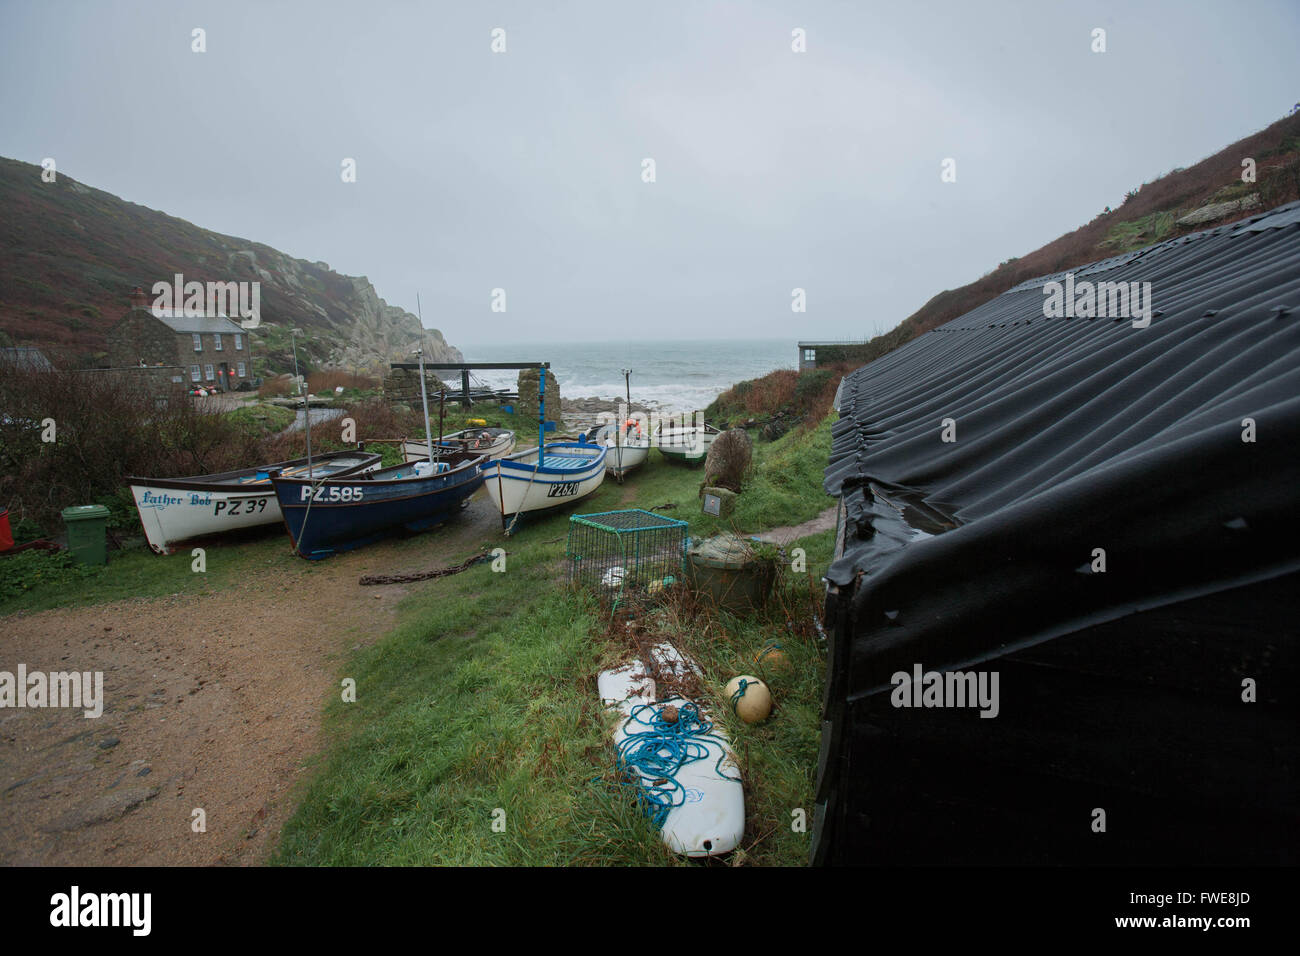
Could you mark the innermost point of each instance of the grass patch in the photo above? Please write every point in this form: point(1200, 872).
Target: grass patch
point(261, 420)
point(52, 581)
point(482, 701)
point(1139, 233)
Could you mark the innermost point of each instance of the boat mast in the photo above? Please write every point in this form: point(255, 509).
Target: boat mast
point(306, 409)
point(541, 413)
point(428, 433)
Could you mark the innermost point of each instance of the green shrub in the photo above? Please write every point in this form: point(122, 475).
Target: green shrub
point(32, 569)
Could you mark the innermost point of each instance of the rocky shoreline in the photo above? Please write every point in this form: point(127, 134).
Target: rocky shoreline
point(582, 413)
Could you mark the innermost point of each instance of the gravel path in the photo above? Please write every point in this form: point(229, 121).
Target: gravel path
point(212, 702)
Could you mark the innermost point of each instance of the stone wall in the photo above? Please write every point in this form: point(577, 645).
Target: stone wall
point(527, 404)
point(402, 387)
point(139, 335)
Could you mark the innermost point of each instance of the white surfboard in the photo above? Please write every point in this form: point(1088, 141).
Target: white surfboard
point(711, 819)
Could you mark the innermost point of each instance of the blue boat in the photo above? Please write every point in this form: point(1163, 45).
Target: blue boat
point(325, 516)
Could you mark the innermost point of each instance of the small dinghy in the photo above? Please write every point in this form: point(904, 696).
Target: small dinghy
point(173, 510)
point(491, 442)
point(339, 514)
point(627, 448)
point(538, 480)
point(688, 445)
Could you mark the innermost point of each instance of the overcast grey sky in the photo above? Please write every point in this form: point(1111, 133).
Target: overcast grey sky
point(522, 170)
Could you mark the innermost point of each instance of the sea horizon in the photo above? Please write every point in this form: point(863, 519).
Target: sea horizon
point(670, 374)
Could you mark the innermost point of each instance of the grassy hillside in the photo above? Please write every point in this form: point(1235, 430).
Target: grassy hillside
point(70, 255)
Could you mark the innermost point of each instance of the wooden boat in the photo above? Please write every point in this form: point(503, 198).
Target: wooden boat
point(564, 473)
point(173, 510)
point(626, 452)
point(688, 445)
point(492, 442)
point(339, 514)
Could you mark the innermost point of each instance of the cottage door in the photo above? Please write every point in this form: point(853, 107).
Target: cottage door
point(223, 376)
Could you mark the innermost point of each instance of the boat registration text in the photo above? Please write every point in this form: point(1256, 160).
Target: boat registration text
point(332, 493)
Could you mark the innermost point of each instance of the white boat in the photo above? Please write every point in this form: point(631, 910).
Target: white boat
point(492, 442)
point(625, 453)
point(689, 444)
point(173, 510)
point(569, 471)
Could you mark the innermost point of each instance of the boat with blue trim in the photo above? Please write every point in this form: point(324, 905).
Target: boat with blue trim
point(540, 479)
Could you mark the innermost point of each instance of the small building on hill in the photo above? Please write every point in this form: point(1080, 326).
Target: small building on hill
point(1062, 607)
point(215, 350)
point(814, 354)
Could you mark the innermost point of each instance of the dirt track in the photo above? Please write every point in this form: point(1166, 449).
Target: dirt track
point(205, 707)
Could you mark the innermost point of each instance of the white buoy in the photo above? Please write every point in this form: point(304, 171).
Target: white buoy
point(751, 700)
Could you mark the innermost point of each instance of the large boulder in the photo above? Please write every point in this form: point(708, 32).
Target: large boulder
point(729, 458)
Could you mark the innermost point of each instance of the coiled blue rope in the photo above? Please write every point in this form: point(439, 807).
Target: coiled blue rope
point(660, 750)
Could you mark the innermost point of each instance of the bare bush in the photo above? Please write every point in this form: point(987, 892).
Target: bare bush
point(103, 427)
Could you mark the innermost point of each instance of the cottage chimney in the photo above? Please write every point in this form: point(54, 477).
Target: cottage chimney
point(138, 299)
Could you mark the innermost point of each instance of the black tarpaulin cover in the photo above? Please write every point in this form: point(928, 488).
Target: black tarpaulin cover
point(1096, 426)
point(1073, 438)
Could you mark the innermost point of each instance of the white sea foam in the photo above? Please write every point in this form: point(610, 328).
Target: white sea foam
point(673, 376)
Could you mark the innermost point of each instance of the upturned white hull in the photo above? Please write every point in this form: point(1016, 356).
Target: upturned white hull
point(709, 816)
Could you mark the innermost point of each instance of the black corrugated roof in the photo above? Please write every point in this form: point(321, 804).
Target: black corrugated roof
point(1088, 430)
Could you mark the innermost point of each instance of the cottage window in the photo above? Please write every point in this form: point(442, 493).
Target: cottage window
point(810, 355)
point(217, 339)
point(194, 373)
point(208, 373)
point(198, 342)
point(239, 344)
point(240, 368)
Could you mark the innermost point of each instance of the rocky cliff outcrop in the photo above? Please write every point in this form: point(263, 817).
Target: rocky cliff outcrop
point(73, 253)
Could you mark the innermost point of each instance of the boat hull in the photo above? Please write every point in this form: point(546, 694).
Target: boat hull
point(622, 457)
point(689, 446)
point(501, 444)
point(176, 510)
point(570, 472)
point(339, 515)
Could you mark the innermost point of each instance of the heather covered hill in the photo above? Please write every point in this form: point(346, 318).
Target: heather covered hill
point(1148, 214)
point(70, 254)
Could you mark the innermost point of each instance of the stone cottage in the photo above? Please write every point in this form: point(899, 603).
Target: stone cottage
point(215, 350)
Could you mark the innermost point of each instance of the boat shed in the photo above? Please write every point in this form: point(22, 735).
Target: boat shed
point(1062, 612)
